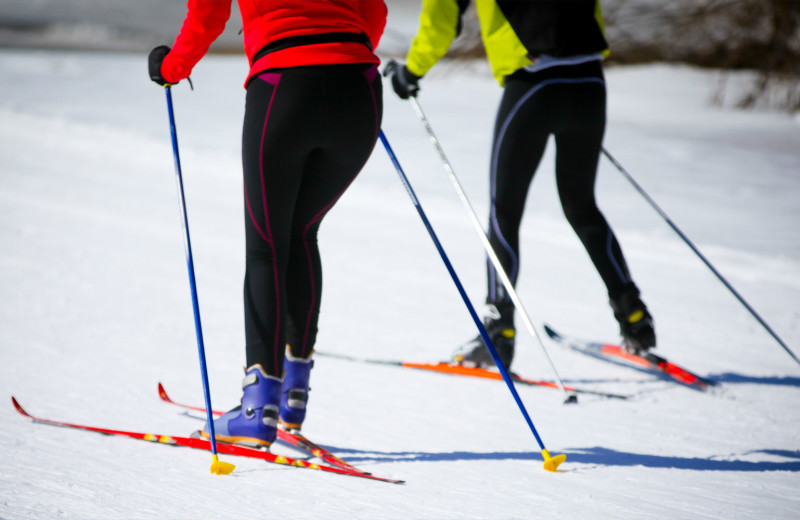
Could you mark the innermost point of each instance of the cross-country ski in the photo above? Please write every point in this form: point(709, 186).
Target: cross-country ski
point(648, 361)
point(295, 439)
point(203, 444)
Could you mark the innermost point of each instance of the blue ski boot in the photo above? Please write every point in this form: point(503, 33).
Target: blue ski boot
point(296, 374)
point(253, 423)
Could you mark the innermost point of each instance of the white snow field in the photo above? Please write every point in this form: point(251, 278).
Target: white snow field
point(96, 309)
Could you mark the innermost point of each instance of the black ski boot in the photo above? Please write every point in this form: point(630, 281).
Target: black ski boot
point(501, 331)
point(635, 322)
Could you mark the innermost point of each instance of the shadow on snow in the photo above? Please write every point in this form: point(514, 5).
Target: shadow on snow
point(595, 456)
point(731, 378)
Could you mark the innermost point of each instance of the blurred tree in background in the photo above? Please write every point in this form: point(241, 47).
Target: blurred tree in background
point(729, 35)
point(733, 35)
point(760, 35)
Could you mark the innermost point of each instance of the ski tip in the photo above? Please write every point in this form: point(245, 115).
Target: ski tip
point(552, 333)
point(162, 392)
point(19, 407)
point(219, 467)
point(552, 463)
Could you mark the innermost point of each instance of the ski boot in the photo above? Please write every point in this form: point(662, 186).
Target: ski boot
point(253, 423)
point(501, 331)
point(297, 372)
point(635, 322)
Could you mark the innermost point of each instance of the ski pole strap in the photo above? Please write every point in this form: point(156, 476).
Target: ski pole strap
point(312, 39)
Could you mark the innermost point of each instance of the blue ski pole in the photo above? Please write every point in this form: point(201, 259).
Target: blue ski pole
point(218, 467)
point(550, 463)
point(696, 251)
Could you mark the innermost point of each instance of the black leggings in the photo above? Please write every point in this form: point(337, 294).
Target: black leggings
point(568, 102)
point(307, 133)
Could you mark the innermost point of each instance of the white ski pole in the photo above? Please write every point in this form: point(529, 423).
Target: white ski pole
point(570, 398)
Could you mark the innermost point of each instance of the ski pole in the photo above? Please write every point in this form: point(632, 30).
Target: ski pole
point(699, 254)
point(550, 463)
point(218, 467)
point(570, 398)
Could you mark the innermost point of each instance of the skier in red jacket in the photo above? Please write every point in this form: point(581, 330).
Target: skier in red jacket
point(313, 111)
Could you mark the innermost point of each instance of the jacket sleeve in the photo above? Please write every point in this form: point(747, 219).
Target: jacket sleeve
point(439, 24)
point(374, 14)
point(204, 22)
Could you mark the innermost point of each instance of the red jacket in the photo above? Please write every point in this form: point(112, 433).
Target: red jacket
point(266, 21)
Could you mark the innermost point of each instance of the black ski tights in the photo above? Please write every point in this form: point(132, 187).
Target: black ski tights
point(568, 102)
point(307, 133)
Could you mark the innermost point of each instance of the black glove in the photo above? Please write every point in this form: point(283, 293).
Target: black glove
point(404, 83)
point(154, 61)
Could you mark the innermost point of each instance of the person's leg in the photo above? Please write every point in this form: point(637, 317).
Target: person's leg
point(274, 152)
point(272, 158)
point(348, 118)
point(522, 128)
point(578, 146)
point(348, 121)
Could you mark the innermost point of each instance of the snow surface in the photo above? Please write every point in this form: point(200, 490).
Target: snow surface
point(96, 308)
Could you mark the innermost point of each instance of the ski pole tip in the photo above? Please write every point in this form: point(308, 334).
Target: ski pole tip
point(219, 467)
point(552, 463)
point(571, 399)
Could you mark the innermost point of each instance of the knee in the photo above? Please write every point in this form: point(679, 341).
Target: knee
point(260, 251)
point(505, 221)
point(584, 217)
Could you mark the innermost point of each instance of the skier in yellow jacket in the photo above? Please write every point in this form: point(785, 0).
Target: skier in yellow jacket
point(547, 55)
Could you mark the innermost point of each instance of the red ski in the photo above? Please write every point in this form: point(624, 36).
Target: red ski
point(647, 361)
point(203, 444)
point(291, 438)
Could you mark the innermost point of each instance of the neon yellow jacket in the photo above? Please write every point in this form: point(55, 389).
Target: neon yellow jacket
point(580, 31)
